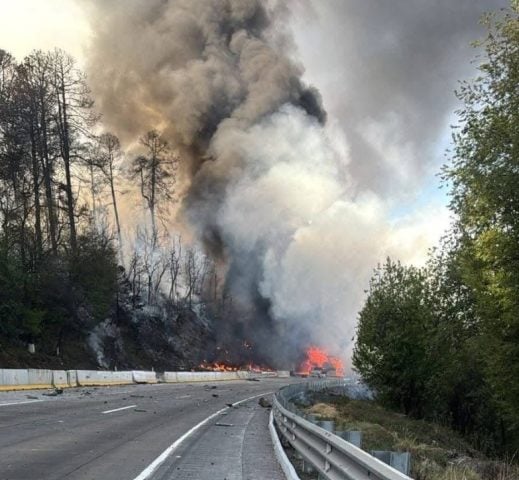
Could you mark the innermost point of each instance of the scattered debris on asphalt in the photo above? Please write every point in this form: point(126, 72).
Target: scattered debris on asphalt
point(265, 403)
point(55, 393)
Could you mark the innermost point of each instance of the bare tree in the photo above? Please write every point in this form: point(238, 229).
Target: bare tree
point(73, 116)
point(175, 258)
point(134, 277)
point(155, 263)
point(108, 161)
point(155, 171)
point(193, 267)
point(35, 83)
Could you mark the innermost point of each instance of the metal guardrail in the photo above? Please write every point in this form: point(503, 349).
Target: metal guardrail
point(332, 457)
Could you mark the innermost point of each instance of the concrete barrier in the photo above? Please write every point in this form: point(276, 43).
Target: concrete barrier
point(283, 373)
point(72, 378)
point(11, 378)
point(41, 378)
point(25, 379)
point(196, 376)
point(89, 378)
point(227, 376)
point(167, 377)
point(59, 379)
point(141, 376)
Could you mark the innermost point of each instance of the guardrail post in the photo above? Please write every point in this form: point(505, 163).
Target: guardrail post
point(352, 436)
point(328, 425)
point(308, 467)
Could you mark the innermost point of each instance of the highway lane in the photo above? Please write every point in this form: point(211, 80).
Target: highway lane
point(110, 433)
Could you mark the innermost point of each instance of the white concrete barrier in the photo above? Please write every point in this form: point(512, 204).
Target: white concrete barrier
point(25, 379)
point(72, 378)
point(196, 376)
point(59, 379)
point(41, 378)
point(141, 376)
point(20, 379)
point(168, 377)
point(10, 378)
point(283, 373)
point(89, 378)
point(227, 376)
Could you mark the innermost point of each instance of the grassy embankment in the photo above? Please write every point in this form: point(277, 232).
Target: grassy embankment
point(437, 453)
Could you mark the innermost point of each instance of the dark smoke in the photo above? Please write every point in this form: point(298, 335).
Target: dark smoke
point(269, 189)
point(201, 70)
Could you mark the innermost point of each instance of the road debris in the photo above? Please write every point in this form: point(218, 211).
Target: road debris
point(265, 403)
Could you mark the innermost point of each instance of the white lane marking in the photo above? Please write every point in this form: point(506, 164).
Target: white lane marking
point(119, 409)
point(150, 469)
point(20, 403)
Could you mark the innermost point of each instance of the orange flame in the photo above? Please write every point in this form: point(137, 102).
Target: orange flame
point(318, 358)
point(222, 367)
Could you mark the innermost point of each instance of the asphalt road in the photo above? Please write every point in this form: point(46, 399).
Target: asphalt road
point(120, 433)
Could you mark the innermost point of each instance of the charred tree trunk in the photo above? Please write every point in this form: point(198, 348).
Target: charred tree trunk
point(47, 177)
point(35, 169)
point(65, 153)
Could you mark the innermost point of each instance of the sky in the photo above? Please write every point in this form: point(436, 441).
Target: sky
point(386, 71)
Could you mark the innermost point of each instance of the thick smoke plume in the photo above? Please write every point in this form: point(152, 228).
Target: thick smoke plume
point(387, 71)
point(266, 187)
point(214, 77)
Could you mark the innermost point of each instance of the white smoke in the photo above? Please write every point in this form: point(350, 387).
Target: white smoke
point(268, 187)
point(294, 204)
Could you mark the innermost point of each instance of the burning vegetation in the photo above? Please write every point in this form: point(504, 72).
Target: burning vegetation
point(223, 367)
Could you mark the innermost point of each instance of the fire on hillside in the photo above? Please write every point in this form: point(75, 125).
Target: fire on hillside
point(224, 367)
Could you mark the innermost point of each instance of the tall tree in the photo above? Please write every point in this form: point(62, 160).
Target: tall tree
point(35, 76)
point(108, 162)
point(155, 171)
point(392, 349)
point(484, 174)
point(73, 116)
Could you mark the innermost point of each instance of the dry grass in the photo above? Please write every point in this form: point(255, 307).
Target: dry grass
point(437, 452)
point(323, 411)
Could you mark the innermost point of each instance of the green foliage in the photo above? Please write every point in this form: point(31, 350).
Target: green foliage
point(485, 178)
point(11, 307)
point(94, 270)
point(392, 337)
point(443, 342)
point(57, 273)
